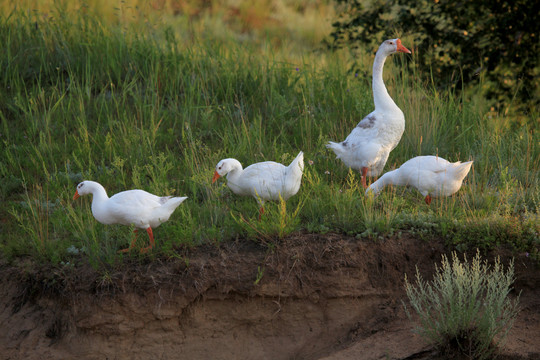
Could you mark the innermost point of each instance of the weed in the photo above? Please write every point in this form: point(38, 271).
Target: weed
point(276, 222)
point(466, 308)
point(260, 274)
point(33, 217)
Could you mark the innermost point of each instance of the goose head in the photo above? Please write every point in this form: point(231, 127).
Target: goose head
point(224, 167)
point(392, 46)
point(88, 187)
point(82, 189)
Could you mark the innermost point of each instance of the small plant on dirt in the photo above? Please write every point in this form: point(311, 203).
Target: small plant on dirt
point(465, 310)
point(260, 274)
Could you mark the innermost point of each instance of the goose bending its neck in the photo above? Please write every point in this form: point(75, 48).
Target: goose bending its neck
point(132, 207)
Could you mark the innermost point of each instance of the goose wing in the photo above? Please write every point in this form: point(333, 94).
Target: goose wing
point(265, 180)
point(134, 206)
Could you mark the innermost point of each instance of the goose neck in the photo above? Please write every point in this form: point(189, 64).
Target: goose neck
point(99, 193)
point(381, 97)
point(389, 178)
point(236, 170)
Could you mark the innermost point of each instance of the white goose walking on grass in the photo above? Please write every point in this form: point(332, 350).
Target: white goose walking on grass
point(264, 181)
point(431, 175)
point(368, 145)
point(133, 207)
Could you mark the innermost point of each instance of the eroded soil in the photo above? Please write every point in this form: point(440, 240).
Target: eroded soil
point(320, 297)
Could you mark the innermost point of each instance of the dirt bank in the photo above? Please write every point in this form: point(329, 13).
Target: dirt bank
point(310, 297)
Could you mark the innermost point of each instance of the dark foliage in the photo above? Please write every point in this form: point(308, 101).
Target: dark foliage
point(460, 42)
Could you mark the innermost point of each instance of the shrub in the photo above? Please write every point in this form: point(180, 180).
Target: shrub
point(497, 40)
point(465, 309)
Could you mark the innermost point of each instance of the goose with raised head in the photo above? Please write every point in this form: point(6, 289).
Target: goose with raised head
point(267, 180)
point(132, 207)
point(368, 145)
point(432, 175)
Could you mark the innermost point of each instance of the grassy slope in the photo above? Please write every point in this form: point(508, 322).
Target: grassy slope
point(140, 105)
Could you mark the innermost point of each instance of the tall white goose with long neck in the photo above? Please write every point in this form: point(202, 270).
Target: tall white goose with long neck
point(368, 145)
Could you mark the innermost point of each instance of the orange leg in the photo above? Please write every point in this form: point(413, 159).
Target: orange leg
point(152, 243)
point(132, 243)
point(261, 212)
point(364, 175)
point(428, 199)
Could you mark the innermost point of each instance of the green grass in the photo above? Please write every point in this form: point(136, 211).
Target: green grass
point(136, 105)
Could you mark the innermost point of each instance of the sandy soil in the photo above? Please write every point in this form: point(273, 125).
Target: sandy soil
point(320, 297)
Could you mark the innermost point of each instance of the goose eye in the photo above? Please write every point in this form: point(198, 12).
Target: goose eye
point(219, 168)
point(391, 43)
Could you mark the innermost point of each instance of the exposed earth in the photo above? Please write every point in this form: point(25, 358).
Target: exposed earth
point(310, 296)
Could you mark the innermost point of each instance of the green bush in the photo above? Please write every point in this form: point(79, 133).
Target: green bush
point(465, 309)
point(496, 41)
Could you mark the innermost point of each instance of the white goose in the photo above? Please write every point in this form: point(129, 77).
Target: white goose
point(264, 181)
point(431, 175)
point(367, 147)
point(133, 207)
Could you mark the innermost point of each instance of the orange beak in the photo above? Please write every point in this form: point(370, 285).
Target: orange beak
point(402, 48)
point(76, 195)
point(216, 176)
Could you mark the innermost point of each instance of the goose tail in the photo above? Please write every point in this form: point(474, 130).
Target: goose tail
point(293, 176)
point(337, 148)
point(462, 169)
point(297, 165)
point(173, 203)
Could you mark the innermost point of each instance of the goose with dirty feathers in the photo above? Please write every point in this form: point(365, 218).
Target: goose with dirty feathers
point(431, 175)
point(368, 145)
point(264, 181)
point(133, 207)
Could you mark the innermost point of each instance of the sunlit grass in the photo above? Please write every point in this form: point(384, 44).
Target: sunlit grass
point(93, 99)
